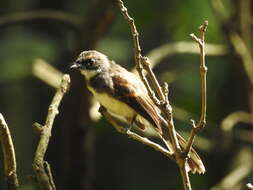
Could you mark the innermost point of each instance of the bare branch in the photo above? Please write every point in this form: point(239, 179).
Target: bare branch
point(10, 166)
point(133, 135)
point(203, 71)
point(137, 50)
point(41, 168)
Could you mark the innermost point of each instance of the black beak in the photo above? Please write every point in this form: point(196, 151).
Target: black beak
point(75, 65)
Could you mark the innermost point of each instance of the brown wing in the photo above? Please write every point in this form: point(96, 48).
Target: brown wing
point(130, 90)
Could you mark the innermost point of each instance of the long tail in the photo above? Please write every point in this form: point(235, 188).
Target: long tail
point(194, 162)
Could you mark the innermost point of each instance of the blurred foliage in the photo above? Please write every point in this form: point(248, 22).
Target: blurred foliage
point(121, 163)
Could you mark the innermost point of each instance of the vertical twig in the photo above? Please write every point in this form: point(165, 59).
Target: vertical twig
point(203, 71)
point(137, 50)
point(9, 155)
point(40, 167)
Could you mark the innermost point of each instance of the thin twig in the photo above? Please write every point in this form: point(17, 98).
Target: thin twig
point(133, 135)
point(43, 174)
point(9, 155)
point(203, 71)
point(137, 51)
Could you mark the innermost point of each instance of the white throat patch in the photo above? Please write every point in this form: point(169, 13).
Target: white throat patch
point(90, 73)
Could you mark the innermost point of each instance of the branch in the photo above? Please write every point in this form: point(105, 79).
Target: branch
point(65, 18)
point(9, 156)
point(137, 50)
point(133, 135)
point(40, 167)
point(144, 63)
point(203, 71)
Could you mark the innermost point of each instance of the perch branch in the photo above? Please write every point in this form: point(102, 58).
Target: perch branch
point(203, 71)
point(133, 135)
point(9, 156)
point(40, 167)
point(143, 62)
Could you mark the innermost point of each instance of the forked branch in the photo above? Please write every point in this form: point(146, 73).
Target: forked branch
point(41, 167)
point(203, 71)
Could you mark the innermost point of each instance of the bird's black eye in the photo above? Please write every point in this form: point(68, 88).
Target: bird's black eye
point(88, 63)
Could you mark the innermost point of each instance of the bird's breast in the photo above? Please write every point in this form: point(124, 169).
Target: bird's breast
point(114, 106)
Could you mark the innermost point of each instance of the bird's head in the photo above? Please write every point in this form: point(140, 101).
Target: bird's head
point(91, 63)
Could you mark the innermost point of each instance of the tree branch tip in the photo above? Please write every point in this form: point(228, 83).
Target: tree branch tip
point(10, 173)
point(65, 83)
point(195, 38)
point(193, 123)
point(122, 7)
point(145, 62)
point(37, 127)
point(2, 120)
point(203, 27)
point(166, 89)
point(192, 35)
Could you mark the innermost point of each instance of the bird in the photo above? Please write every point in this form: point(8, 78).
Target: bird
point(125, 97)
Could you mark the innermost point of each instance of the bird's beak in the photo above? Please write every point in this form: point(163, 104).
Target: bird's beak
point(75, 65)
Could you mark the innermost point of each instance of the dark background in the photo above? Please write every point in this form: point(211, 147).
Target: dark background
point(85, 154)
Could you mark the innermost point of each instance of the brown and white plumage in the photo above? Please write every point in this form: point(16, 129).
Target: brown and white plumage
point(124, 95)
